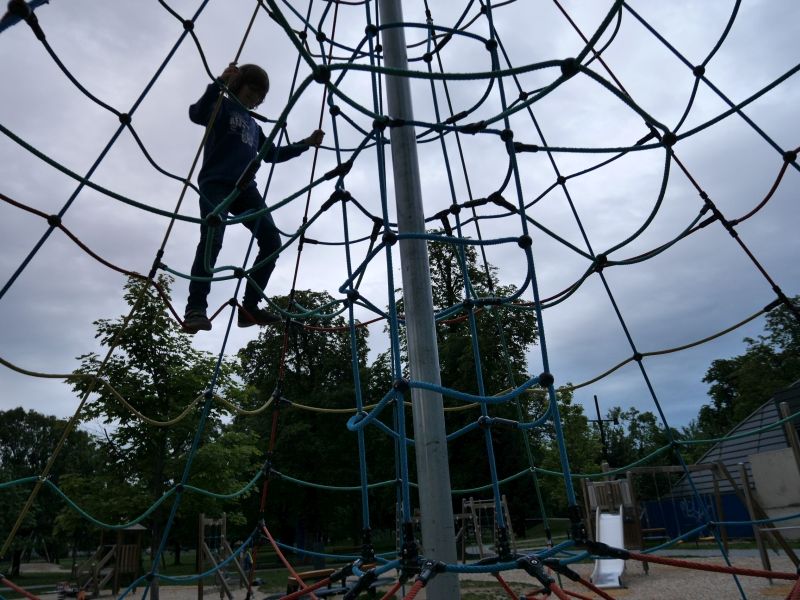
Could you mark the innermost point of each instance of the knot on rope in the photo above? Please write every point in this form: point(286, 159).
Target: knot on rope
point(569, 67)
point(497, 198)
point(335, 110)
point(377, 225)
point(266, 468)
point(473, 128)
point(428, 570)
point(790, 156)
point(443, 216)
point(601, 549)
point(188, 24)
point(213, 220)
point(380, 123)
point(491, 45)
point(278, 399)
point(20, 8)
point(53, 220)
point(362, 585)
point(699, 71)
point(456, 117)
point(561, 569)
point(600, 262)
point(534, 567)
point(339, 170)
point(484, 422)
point(669, 139)
point(427, 57)
point(337, 195)
point(389, 238)
point(322, 74)
point(520, 147)
point(507, 135)
point(125, 118)
point(371, 30)
point(239, 272)
point(401, 385)
point(525, 241)
point(546, 379)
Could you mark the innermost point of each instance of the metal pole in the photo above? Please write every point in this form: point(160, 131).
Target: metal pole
point(433, 472)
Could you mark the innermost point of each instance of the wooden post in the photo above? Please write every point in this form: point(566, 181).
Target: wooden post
point(723, 530)
point(750, 510)
point(791, 434)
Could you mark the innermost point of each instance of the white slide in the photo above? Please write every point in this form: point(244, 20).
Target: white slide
point(608, 572)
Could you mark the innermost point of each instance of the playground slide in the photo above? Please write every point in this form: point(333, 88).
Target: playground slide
point(608, 572)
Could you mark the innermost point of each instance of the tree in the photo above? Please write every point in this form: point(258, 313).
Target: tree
point(741, 384)
point(27, 440)
point(504, 333)
point(155, 368)
point(634, 436)
point(313, 366)
point(581, 440)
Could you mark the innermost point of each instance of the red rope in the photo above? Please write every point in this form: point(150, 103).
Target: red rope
point(558, 592)
point(303, 586)
point(589, 585)
point(412, 593)
point(306, 590)
point(577, 595)
point(506, 587)
point(392, 591)
point(687, 564)
point(794, 594)
point(17, 589)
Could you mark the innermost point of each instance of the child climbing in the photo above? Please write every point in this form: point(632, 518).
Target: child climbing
point(232, 143)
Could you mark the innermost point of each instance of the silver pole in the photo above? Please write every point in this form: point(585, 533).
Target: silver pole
point(433, 471)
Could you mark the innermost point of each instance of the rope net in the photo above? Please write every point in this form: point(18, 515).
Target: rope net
point(533, 127)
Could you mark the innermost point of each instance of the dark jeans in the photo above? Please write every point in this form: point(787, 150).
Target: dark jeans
point(263, 229)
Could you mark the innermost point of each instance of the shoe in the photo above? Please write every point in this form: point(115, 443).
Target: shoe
point(194, 320)
point(252, 315)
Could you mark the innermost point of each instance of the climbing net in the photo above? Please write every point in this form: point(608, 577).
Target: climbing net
point(506, 171)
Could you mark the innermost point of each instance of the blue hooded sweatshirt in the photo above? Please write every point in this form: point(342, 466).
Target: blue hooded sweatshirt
point(234, 140)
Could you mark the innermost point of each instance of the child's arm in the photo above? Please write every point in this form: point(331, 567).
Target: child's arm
point(284, 153)
point(200, 111)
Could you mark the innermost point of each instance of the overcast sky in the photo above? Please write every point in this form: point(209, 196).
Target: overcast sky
point(703, 284)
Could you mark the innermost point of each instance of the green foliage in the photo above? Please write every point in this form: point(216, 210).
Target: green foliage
point(635, 435)
point(27, 440)
point(741, 384)
point(311, 367)
point(580, 438)
point(155, 368)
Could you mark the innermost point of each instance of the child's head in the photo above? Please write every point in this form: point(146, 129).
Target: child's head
point(250, 85)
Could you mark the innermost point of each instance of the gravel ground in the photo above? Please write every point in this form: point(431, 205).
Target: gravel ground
point(662, 583)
